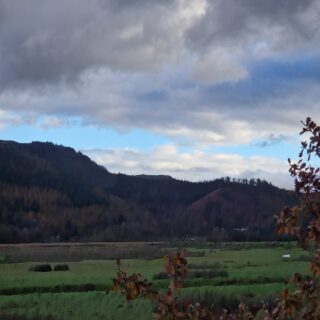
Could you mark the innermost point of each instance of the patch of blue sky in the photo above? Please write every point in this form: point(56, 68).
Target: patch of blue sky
point(282, 150)
point(81, 137)
point(153, 96)
point(295, 68)
point(266, 79)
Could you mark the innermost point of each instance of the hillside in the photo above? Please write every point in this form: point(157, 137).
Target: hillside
point(51, 193)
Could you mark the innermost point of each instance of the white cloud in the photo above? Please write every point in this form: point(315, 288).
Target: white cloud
point(194, 165)
point(10, 118)
point(218, 66)
point(51, 122)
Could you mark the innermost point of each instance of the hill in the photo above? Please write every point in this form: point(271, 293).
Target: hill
point(50, 193)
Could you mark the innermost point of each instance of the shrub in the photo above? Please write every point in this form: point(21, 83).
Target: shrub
point(208, 274)
point(221, 301)
point(41, 268)
point(61, 267)
point(206, 266)
point(5, 316)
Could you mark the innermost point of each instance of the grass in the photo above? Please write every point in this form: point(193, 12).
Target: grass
point(81, 292)
point(99, 305)
point(75, 306)
point(97, 272)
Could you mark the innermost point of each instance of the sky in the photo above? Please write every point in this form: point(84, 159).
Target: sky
point(193, 89)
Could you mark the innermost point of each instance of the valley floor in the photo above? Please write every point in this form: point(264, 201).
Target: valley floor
point(222, 274)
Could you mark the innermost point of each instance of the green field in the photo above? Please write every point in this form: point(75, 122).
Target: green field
point(83, 292)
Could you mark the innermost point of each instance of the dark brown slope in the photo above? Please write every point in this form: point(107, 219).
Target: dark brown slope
point(244, 212)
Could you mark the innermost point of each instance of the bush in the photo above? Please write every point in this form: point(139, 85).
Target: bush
point(41, 268)
point(54, 289)
point(61, 267)
point(208, 274)
point(5, 316)
point(205, 266)
point(222, 301)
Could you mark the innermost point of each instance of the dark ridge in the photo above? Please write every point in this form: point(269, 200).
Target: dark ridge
point(52, 193)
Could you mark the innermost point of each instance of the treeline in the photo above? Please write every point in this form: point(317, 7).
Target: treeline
point(33, 214)
point(53, 193)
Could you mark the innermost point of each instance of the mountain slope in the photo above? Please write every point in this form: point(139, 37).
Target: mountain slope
point(51, 166)
point(50, 192)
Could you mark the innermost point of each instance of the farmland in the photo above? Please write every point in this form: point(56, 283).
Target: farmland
point(222, 273)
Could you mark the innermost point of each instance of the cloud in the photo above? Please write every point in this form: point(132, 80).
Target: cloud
point(280, 179)
point(187, 113)
point(273, 140)
point(218, 66)
point(10, 118)
point(51, 122)
point(199, 72)
point(194, 165)
point(264, 27)
point(48, 42)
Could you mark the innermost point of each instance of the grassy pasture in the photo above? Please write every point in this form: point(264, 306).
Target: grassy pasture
point(82, 292)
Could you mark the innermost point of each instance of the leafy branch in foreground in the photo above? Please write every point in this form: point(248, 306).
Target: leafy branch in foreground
point(302, 221)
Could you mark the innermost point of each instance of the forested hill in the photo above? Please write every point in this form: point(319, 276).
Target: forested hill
point(53, 193)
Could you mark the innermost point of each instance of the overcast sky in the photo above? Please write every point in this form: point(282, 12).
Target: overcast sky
point(195, 89)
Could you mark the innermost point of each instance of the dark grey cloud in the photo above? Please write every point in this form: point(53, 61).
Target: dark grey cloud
point(49, 41)
point(234, 23)
point(46, 41)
